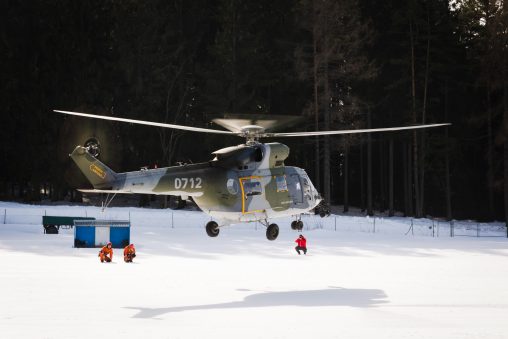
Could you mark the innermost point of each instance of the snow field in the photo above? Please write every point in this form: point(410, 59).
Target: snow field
point(184, 284)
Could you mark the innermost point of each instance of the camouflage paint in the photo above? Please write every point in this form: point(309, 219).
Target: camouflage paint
point(218, 186)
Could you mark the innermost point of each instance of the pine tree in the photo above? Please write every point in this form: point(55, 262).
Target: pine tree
point(338, 62)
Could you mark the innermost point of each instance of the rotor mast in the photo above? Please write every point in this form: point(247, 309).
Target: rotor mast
point(252, 133)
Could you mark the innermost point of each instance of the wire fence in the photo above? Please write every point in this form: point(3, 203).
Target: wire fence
point(409, 226)
point(167, 218)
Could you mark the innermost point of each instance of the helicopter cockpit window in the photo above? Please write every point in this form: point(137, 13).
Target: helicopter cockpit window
point(306, 188)
point(282, 185)
point(305, 183)
point(252, 188)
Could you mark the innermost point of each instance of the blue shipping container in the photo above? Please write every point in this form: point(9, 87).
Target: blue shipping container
point(97, 233)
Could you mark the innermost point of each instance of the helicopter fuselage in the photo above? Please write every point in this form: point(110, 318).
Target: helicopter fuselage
point(241, 184)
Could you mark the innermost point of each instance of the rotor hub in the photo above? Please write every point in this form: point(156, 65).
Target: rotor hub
point(252, 133)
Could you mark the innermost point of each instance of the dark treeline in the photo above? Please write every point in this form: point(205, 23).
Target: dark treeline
point(342, 64)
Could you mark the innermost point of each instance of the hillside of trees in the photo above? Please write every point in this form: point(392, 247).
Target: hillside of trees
point(341, 64)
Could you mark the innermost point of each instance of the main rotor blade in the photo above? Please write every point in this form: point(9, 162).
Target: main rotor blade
point(149, 123)
point(351, 131)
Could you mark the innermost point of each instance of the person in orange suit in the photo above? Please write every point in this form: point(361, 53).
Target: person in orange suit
point(129, 253)
point(106, 253)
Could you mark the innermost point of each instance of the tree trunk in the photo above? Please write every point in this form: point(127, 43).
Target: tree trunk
point(505, 127)
point(346, 176)
point(415, 138)
point(317, 169)
point(234, 57)
point(449, 215)
point(326, 153)
point(369, 166)
point(490, 156)
point(406, 186)
point(362, 177)
point(390, 179)
point(424, 112)
point(382, 178)
point(448, 185)
point(409, 180)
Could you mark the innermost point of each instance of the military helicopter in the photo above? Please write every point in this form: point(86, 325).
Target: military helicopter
point(244, 183)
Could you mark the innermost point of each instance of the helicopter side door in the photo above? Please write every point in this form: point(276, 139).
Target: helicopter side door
point(253, 195)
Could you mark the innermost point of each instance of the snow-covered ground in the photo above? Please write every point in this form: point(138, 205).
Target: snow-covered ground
point(356, 282)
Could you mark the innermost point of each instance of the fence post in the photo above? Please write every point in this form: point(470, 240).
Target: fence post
point(335, 223)
point(451, 228)
point(172, 221)
point(433, 228)
point(374, 225)
point(5, 215)
point(477, 230)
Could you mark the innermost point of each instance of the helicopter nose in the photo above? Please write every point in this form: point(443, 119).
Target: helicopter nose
point(317, 197)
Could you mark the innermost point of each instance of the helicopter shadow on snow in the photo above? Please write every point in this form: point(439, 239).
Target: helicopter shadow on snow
point(329, 297)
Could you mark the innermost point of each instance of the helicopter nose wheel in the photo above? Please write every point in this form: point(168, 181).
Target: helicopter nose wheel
point(272, 232)
point(297, 225)
point(212, 229)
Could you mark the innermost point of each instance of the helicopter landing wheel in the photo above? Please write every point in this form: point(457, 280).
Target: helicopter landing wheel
point(299, 225)
point(212, 229)
point(272, 232)
point(294, 225)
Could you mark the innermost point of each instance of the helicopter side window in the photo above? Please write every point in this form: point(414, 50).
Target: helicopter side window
point(252, 188)
point(232, 186)
point(282, 185)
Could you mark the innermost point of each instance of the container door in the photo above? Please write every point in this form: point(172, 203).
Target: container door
point(120, 236)
point(101, 236)
point(84, 236)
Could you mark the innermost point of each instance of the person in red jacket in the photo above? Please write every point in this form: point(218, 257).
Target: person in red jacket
point(106, 253)
point(301, 245)
point(129, 253)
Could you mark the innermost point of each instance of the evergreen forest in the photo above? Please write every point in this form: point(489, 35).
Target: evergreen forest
point(339, 64)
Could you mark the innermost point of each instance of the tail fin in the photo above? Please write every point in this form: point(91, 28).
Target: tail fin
point(100, 175)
